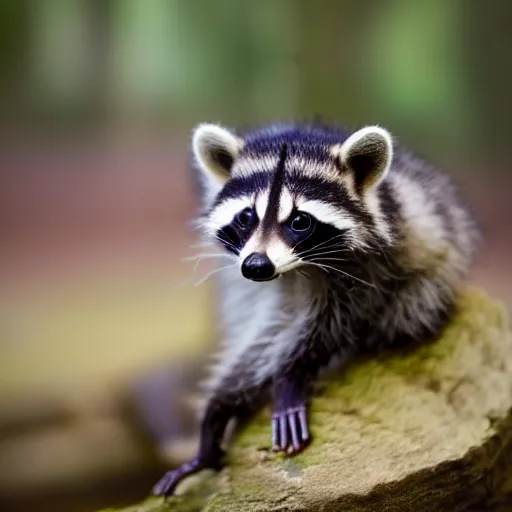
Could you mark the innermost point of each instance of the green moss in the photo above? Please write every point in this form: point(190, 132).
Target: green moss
point(392, 411)
point(199, 490)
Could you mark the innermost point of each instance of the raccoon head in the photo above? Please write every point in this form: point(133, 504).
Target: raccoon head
point(289, 196)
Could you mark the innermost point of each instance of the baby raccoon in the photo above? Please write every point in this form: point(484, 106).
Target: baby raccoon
point(344, 243)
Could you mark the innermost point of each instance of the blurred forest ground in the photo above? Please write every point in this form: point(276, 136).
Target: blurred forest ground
point(97, 101)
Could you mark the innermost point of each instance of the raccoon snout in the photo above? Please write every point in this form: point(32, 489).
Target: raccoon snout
point(258, 267)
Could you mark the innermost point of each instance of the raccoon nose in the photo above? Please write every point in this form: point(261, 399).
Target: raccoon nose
point(258, 267)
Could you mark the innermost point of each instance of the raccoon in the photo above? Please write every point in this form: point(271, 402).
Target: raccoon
point(343, 243)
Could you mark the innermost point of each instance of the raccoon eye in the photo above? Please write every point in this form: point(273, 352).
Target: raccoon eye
point(245, 217)
point(301, 222)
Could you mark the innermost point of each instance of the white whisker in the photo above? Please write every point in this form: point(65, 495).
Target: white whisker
point(323, 243)
point(207, 256)
point(202, 245)
point(203, 279)
point(331, 260)
point(325, 266)
point(336, 251)
point(229, 244)
point(227, 236)
point(199, 257)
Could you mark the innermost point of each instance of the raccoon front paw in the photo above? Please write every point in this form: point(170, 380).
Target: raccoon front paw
point(290, 433)
point(167, 484)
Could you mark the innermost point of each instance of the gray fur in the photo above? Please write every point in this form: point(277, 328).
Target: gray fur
point(407, 268)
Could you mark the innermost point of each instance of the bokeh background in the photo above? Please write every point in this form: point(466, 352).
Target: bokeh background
point(102, 334)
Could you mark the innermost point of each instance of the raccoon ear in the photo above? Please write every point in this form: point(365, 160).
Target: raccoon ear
point(215, 150)
point(367, 153)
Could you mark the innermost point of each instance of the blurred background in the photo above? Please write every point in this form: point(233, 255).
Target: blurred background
point(102, 334)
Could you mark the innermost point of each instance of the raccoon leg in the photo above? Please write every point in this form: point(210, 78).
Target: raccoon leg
point(236, 395)
point(210, 454)
point(290, 431)
point(293, 386)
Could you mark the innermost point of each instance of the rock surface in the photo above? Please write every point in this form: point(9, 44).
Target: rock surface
point(426, 430)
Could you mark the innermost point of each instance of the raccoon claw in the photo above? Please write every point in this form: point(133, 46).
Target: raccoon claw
point(167, 484)
point(290, 431)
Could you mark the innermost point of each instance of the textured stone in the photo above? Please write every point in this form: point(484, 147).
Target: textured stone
point(426, 430)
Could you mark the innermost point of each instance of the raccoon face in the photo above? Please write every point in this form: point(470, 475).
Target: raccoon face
point(287, 197)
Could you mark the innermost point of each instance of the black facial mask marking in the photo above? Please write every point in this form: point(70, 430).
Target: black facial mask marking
point(319, 238)
point(234, 236)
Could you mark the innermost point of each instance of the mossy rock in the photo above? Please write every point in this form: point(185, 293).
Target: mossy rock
point(428, 430)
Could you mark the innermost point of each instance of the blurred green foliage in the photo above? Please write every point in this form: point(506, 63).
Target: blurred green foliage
point(414, 66)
